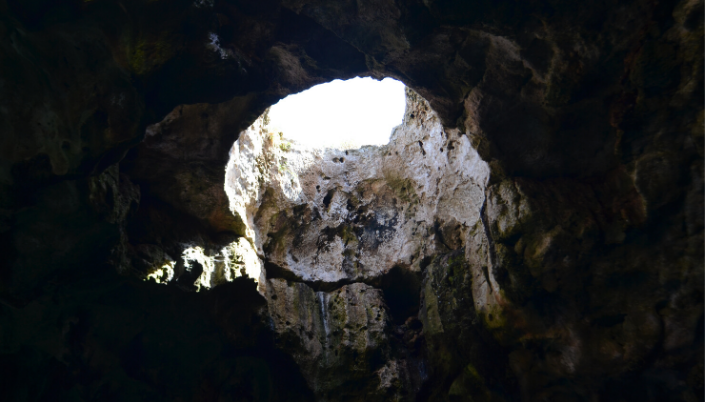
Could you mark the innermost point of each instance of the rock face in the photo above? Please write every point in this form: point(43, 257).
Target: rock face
point(338, 338)
point(340, 216)
point(570, 268)
point(345, 236)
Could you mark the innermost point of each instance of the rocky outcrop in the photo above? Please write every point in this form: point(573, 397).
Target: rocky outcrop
point(338, 216)
point(580, 279)
point(352, 230)
point(338, 338)
point(485, 260)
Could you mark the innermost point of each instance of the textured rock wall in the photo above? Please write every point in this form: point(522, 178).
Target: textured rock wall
point(589, 253)
point(332, 225)
point(338, 338)
point(517, 280)
point(327, 215)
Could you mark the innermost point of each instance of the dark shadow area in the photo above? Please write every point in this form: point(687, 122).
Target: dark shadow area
point(138, 341)
point(401, 289)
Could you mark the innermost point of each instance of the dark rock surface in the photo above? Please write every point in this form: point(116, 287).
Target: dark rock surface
point(583, 281)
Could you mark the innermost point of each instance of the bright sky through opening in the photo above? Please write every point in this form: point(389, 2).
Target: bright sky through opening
point(341, 114)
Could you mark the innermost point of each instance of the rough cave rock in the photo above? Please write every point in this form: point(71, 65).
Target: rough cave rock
point(533, 231)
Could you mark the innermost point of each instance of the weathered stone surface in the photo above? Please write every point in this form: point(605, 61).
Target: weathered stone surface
point(585, 268)
point(336, 216)
point(489, 263)
point(324, 218)
point(339, 339)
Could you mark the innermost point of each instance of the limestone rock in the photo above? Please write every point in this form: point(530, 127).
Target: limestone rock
point(336, 216)
point(587, 250)
point(338, 338)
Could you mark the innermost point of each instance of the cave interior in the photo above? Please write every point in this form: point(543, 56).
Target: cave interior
point(533, 231)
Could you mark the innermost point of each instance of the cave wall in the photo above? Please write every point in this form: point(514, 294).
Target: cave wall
point(345, 237)
point(118, 118)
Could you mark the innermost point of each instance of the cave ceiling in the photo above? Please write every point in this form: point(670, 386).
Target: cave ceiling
point(118, 121)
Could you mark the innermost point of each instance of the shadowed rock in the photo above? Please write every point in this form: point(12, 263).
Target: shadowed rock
point(576, 275)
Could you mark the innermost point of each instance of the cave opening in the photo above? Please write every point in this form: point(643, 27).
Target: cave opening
point(329, 218)
point(340, 114)
point(323, 171)
point(327, 124)
point(574, 271)
point(565, 263)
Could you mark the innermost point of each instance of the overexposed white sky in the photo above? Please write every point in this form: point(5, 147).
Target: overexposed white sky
point(342, 114)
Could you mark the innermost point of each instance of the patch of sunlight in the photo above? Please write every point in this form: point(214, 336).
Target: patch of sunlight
point(234, 260)
point(163, 274)
point(341, 114)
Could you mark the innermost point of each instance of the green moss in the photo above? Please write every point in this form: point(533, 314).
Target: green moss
point(431, 315)
point(403, 188)
point(456, 266)
point(147, 54)
point(285, 146)
point(347, 234)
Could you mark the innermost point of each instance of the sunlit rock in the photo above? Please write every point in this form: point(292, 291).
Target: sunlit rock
point(327, 215)
point(232, 261)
